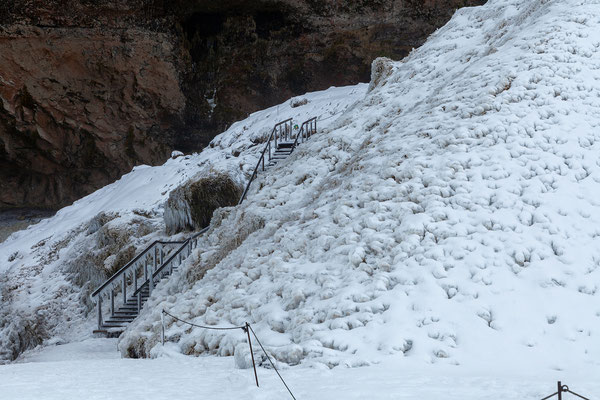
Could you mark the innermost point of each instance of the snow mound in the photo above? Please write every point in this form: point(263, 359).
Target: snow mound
point(452, 216)
point(48, 270)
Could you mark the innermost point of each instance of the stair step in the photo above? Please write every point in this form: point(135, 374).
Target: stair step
point(285, 145)
point(106, 325)
point(117, 321)
point(126, 313)
point(133, 302)
point(123, 315)
point(109, 332)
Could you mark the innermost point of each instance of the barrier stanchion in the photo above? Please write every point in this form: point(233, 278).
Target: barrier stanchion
point(247, 328)
point(563, 389)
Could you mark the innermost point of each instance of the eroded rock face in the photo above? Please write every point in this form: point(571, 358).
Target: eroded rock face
point(89, 89)
point(80, 107)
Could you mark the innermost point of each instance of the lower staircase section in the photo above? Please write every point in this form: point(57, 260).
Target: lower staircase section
point(120, 299)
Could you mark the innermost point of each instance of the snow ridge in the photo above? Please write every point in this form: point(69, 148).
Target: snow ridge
point(451, 216)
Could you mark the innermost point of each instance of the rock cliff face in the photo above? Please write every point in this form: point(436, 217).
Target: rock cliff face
point(89, 89)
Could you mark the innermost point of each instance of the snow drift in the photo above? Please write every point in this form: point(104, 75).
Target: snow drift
point(48, 270)
point(451, 216)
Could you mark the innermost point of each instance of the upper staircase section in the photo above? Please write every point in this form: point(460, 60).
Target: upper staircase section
point(282, 141)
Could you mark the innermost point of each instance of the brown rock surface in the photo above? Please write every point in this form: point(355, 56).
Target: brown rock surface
point(89, 89)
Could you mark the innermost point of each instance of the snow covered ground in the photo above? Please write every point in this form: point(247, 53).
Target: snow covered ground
point(48, 270)
point(94, 370)
point(441, 235)
point(451, 216)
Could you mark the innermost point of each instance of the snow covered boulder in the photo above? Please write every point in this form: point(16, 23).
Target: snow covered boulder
point(381, 69)
point(191, 205)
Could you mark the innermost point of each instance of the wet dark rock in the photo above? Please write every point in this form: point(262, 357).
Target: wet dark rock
point(90, 89)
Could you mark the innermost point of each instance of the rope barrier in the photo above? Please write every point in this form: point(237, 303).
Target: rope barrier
point(216, 328)
point(246, 328)
point(269, 358)
point(563, 389)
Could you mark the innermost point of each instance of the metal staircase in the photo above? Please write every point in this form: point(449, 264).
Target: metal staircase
point(128, 289)
point(280, 144)
point(120, 299)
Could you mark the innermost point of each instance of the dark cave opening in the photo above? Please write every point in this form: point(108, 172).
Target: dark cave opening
point(203, 25)
point(268, 21)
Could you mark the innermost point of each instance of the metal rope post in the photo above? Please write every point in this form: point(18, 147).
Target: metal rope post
point(247, 330)
point(162, 322)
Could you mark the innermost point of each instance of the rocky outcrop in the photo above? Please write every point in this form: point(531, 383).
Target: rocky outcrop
point(191, 206)
point(89, 89)
point(80, 107)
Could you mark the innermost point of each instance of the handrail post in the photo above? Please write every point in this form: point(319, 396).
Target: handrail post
point(151, 283)
point(135, 283)
point(139, 301)
point(124, 288)
point(112, 302)
point(99, 306)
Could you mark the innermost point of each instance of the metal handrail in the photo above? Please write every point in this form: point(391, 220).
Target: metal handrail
point(172, 257)
point(131, 263)
point(131, 269)
point(164, 264)
point(123, 269)
point(262, 157)
point(195, 235)
point(310, 131)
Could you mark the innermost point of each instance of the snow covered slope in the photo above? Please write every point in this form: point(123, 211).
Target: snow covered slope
point(48, 270)
point(452, 216)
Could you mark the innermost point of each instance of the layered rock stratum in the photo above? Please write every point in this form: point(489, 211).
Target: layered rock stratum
point(88, 89)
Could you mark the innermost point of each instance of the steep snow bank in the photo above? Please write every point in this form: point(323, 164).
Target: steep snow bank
point(452, 216)
point(48, 270)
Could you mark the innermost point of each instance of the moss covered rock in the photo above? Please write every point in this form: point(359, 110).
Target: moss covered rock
point(191, 205)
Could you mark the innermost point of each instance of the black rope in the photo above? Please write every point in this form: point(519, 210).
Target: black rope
point(564, 388)
point(578, 395)
point(269, 358)
point(217, 328)
point(552, 395)
point(245, 329)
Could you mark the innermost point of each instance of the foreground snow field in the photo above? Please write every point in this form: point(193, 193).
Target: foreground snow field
point(93, 370)
point(441, 233)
